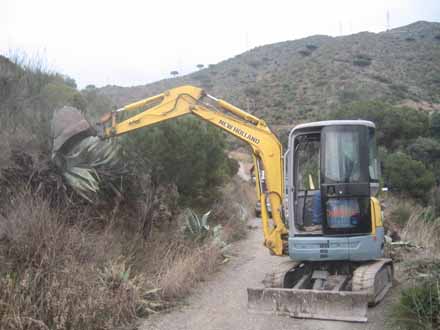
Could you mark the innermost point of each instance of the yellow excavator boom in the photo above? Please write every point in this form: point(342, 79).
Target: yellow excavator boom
point(265, 145)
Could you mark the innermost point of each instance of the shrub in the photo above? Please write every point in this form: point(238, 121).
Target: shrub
point(251, 91)
point(305, 52)
point(401, 213)
point(419, 306)
point(255, 64)
point(362, 60)
point(425, 149)
point(381, 79)
point(406, 175)
point(399, 90)
point(395, 125)
point(346, 96)
point(311, 47)
point(435, 124)
point(58, 276)
point(234, 72)
point(232, 210)
point(186, 152)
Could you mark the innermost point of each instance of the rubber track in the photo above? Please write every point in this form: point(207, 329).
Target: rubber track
point(364, 279)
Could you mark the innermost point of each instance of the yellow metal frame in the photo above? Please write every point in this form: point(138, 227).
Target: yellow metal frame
point(248, 128)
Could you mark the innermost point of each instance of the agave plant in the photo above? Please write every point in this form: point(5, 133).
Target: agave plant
point(90, 161)
point(196, 228)
point(85, 161)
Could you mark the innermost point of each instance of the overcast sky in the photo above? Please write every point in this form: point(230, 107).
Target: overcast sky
point(135, 42)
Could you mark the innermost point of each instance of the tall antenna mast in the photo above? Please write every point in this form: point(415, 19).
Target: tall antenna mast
point(388, 20)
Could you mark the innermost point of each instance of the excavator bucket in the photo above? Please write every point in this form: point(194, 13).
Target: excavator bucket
point(310, 304)
point(69, 127)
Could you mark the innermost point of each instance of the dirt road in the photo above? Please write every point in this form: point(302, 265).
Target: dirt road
point(220, 303)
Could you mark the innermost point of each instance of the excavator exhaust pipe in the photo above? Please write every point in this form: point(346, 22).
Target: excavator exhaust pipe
point(309, 304)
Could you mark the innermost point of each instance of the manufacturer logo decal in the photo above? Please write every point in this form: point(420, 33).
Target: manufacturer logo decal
point(238, 131)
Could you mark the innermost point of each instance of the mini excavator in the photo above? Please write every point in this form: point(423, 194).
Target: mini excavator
point(324, 217)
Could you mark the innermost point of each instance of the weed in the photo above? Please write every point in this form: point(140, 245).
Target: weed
point(60, 276)
point(418, 307)
point(401, 213)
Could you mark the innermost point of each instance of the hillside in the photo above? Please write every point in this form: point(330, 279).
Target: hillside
point(299, 79)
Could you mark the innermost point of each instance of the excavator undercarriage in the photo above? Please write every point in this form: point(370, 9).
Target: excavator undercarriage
point(329, 290)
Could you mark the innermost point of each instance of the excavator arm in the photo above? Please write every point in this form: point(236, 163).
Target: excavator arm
point(265, 145)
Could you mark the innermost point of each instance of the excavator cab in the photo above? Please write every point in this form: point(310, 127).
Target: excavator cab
point(336, 235)
point(333, 177)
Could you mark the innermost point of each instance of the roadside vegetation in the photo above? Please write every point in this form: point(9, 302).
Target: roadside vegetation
point(71, 264)
point(417, 307)
point(68, 263)
point(409, 144)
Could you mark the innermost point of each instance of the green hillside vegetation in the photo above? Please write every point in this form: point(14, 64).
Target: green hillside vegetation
point(408, 143)
point(293, 81)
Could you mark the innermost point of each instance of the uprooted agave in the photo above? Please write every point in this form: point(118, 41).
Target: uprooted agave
point(85, 161)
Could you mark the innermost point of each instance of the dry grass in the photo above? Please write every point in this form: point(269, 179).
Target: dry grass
point(413, 222)
point(59, 276)
point(422, 232)
point(233, 209)
point(418, 306)
point(181, 269)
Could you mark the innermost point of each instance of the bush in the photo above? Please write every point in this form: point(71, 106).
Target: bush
point(406, 175)
point(305, 52)
point(57, 276)
point(362, 60)
point(255, 64)
point(401, 213)
point(426, 150)
point(186, 152)
point(419, 306)
point(395, 125)
point(399, 91)
point(381, 79)
point(232, 210)
point(435, 125)
point(251, 91)
point(311, 47)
